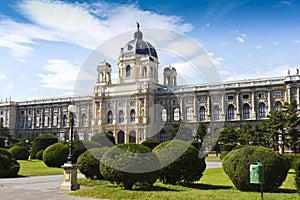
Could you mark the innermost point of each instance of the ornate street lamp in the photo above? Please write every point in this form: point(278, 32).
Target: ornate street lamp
point(280, 142)
point(70, 168)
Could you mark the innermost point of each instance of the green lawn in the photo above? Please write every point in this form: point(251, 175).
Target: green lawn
point(213, 185)
point(212, 158)
point(37, 168)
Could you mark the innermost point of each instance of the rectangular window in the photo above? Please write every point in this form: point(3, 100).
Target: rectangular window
point(108, 104)
point(132, 103)
point(202, 99)
point(175, 101)
point(246, 96)
point(262, 95)
point(163, 102)
point(230, 97)
point(121, 104)
point(215, 98)
point(188, 101)
point(278, 94)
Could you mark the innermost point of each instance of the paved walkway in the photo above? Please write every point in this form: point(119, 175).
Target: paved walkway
point(44, 187)
point(35, 187)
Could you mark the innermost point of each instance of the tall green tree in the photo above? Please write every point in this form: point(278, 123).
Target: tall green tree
point(201, 132)
point(5, 133)
point(287, 120)
point(228, 135)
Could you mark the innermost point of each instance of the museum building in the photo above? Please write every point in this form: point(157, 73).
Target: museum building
point(138, 107)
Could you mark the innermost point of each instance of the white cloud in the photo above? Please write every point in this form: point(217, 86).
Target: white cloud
point(80, 24)
point(240, 39)
point(61, 75)
point(2, 75)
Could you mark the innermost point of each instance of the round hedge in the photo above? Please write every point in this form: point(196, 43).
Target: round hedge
point(19, 152)
point(55, 155)
point(39, 154)
point(130, 164)
point(88, 162)
point(42, 142)
point(9, 167)
point(104, 139)
point(237, 166)
point(150, 143)
point(181, 162)
point(78, 149)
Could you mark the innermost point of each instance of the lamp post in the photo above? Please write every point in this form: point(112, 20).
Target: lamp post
point(280, 142)
point(70, 168)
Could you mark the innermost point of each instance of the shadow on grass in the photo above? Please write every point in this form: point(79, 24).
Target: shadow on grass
point(154, 188)
point(284, 190)
point(205, 186)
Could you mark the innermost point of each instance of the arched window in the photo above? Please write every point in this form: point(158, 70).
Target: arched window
point(262, 110)
point(128, 71)
point(216, 113)
point(121, 116)
point(164, 115)
point(145, 71)
point(189, 114)
point(54, 121)
point(1, 122)
point(29, 122)
point(230, 112)
point(132, 137)
point(176, 114)
point(132, 116)
point(278, 106)
point(65, 120)
point(202, 113)
point(109, 117)
point(46, 121)
point(163, 136)
point(246, 111)
point(121, 137)
point(83, 120)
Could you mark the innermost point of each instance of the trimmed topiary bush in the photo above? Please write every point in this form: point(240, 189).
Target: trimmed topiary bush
point(150, 143)
point(55, 155)
point(180, 161)
point(88, 162)
point(78, 149)
point(19, 152)
point(39, 154)
point(297, 176)
point(223, 154)
point(293, 158)
point(42, 142)
point(9, 167)
point(228, 147)
point(130, 164)
point(104, 139)
point(237, 166)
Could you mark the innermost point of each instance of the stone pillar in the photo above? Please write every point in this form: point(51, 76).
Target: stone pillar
point(70, 177)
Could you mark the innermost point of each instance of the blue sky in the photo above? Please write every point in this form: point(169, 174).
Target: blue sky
point(44, 43)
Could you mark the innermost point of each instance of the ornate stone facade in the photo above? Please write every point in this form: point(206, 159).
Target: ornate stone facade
point(138, 107)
